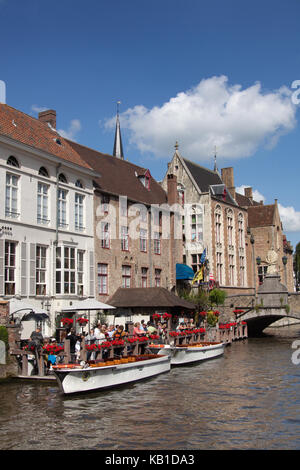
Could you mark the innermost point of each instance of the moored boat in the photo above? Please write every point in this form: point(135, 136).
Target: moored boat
point(186, 354)
point(73, 378)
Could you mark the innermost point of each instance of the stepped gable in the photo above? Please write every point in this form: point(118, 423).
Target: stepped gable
point(37, 134)
point(120, 177)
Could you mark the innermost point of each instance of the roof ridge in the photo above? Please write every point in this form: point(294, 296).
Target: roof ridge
point(106, 154)
point(32, 117)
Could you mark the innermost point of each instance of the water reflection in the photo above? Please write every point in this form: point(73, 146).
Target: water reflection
point(247, 399)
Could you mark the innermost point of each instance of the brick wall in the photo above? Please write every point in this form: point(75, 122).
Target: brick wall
point(4, 312)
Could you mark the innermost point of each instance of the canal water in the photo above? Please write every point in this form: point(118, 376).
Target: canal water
point(247, 399)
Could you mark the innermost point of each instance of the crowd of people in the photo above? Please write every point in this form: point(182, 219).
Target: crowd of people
point(96, 335)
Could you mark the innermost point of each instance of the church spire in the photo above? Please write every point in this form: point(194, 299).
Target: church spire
point(215, 165)
point(118, 147)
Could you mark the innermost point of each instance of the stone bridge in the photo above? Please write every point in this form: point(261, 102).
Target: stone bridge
point(271, 303)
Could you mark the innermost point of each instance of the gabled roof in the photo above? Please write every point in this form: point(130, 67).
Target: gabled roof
point(245, 201)
point(120, 177)
point(209, 181)
point(203, 176)
point(153, 297)
point(36, 134)
point(261, 216)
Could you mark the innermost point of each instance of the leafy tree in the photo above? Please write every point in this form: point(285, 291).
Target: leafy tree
point(297, 263)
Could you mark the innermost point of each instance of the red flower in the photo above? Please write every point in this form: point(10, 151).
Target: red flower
point(82, 321)
point(166, 316)
point(203, 314)
point(67, 321)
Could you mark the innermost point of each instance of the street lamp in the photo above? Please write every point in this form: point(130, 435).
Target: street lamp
point(284, 261)
point(253, 262)
point(258, 260)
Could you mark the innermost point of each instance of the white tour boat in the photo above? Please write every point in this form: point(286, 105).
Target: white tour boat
point(187, 354)
point(74, 378)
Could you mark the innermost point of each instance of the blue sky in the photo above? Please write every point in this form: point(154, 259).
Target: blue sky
point(203, 73)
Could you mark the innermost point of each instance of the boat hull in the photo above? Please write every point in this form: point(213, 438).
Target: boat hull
point(94, 378)
point(181, 355)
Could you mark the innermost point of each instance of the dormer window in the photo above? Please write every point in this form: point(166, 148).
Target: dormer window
point(145, 179)
point(12, 161)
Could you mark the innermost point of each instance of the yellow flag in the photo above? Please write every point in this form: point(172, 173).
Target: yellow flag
point(198, 276)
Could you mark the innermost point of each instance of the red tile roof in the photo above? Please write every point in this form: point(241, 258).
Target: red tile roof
point(37, 134)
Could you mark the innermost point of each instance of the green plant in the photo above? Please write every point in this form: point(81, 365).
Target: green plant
point(212, 319)
point(287, 308)
point(217, 297)
point(4, 336)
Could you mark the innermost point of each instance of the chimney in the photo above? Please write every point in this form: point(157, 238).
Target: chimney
point(172, 189)
point(228, 180)
point(248, 193)
point(49, 117)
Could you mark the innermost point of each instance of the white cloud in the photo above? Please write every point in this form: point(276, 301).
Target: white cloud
point(74, 128)
point(290, 218)
point(212, 113)
point(257, 196)
point(36, 108)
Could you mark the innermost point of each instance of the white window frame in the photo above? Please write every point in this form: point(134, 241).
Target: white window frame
point(79, 212)
point(12, 196)
point(62, 208)
point(42, 203)
point(102, 270)
point(41, 270)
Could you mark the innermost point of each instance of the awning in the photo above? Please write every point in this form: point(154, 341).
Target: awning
point(87, 304)
point(183, 271)
point(20, 308)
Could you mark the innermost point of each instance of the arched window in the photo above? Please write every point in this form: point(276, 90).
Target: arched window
point(62, 178)
point(230, 233)
point(12, 161)
point(218, 223)
point(43, 172)
point(79, 184)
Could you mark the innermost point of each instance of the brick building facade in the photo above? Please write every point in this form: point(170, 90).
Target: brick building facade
point(133, 229)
